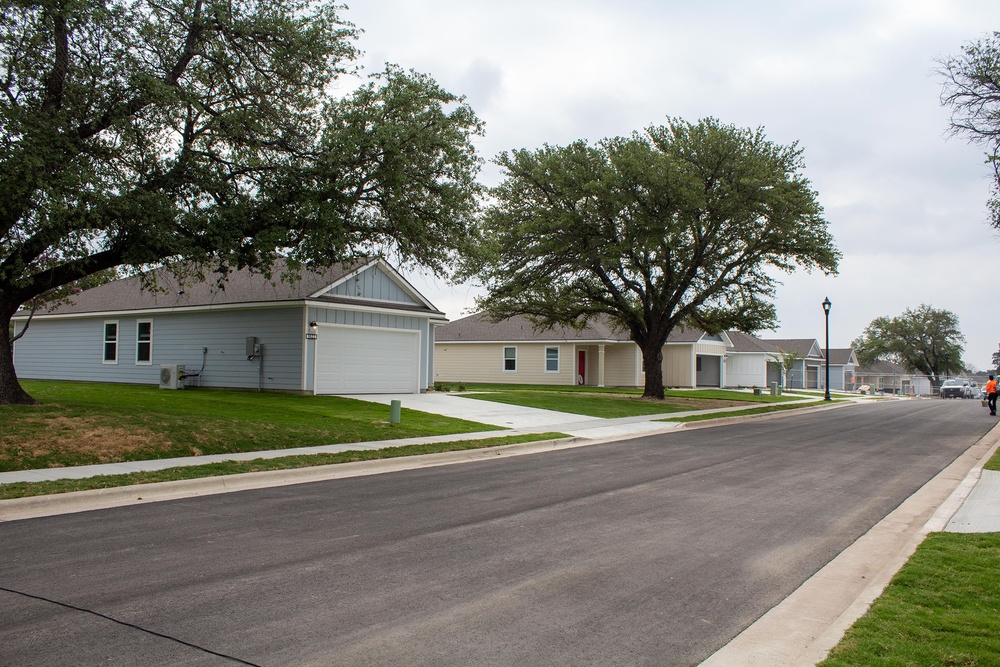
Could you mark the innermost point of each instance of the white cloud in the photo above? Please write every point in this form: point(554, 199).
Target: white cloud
point(850, 80)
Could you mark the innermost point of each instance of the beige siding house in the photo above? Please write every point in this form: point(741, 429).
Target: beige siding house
point(514, 351)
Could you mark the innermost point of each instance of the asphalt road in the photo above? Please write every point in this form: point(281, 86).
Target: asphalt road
point(652, 551)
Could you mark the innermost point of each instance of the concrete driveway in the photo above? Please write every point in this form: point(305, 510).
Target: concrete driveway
point(521, 418)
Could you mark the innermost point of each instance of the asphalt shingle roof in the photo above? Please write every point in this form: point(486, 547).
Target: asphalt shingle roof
point(480, 328)
point(240, 287)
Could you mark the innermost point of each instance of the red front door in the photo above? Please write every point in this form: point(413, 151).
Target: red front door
point(581, 367)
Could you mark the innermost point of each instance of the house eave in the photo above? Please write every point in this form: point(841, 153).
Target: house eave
point(435, 316)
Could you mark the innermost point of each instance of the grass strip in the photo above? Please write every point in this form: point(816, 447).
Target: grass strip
point(939, 609)
point(26, 489)
point(994, 462)
point(596, 403)
point(708, 394)
point(748, 411)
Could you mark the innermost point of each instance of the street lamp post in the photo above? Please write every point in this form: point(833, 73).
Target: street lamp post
point(826, 312)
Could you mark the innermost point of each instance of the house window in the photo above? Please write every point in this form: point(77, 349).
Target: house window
point(552, 360)
point(509, 359)
point(144, 343)
point(111, 342)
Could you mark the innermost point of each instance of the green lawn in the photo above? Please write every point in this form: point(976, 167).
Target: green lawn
point(83, 423)
point(941, 608)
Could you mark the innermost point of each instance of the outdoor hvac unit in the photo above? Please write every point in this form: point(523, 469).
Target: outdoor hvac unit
point(170, 376)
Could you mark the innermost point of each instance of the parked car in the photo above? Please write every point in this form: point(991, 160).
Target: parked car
point(957, 388)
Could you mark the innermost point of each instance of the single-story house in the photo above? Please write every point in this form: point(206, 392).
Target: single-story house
point(515, 351)
point(806, 372)
point(891, 377)
point(751, 362)
point(347, 330)
point(843, 362)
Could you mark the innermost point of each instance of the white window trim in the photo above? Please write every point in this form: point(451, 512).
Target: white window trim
point(138, 342)
point(503, 358)
point(545, 361)
point(105, 341)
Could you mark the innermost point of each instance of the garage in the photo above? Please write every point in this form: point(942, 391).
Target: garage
point(359, 360)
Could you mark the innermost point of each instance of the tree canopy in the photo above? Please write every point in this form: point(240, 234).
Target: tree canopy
point(972, 89)
point(925, 340)
point(139, 132)
point(683, 224)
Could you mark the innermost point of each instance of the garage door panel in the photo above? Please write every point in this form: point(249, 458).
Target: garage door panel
point(366, 361)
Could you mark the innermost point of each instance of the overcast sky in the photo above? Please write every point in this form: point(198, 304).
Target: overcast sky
point(852, 81)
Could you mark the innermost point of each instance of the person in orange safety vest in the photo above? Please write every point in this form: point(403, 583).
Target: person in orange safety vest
point(992, 392)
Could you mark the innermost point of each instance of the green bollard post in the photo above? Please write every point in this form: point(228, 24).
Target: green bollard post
point(394, 410)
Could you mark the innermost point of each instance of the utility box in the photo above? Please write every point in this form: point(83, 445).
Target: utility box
point(171, 376)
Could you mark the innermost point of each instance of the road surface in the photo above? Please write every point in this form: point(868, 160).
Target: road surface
point(652, 551)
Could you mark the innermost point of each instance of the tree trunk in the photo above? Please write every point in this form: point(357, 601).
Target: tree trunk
point(652, 364)
point(11, 392)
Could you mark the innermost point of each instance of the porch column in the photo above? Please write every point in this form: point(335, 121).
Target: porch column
point(600, 365)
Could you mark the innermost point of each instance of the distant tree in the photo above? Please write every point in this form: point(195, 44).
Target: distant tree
point(786, 362)
point(972, 89)
point(140, 132)
point(996, 360)
point(925, 340)
point(679, 225)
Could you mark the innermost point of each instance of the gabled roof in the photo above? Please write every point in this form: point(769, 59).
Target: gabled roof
point(747, 343)
point(241, 287)
point(805, 348)
point(479, 328)
point(842, 356)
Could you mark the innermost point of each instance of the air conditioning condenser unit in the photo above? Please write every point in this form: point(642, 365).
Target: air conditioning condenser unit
point(170, 376)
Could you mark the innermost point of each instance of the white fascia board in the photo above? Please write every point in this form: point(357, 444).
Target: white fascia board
point(382, 310)
point(259, 305)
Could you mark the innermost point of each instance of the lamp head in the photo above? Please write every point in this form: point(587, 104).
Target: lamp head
point(826, 305)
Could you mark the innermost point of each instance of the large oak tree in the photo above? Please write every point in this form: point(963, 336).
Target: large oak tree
point(685, 224)
point(212, 133)
point(925, 340)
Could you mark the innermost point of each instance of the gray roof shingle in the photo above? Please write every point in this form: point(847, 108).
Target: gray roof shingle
point(480, 328)
point(240, 287)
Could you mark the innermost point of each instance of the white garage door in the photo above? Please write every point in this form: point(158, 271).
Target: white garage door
point(367, 361)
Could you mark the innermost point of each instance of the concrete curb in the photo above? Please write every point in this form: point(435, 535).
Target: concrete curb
point(805, 626)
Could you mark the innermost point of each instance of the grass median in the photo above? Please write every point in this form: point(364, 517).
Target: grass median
point(610, 403)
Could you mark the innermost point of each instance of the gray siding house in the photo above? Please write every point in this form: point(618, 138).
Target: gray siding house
point(347, 330)
point(805, 373)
